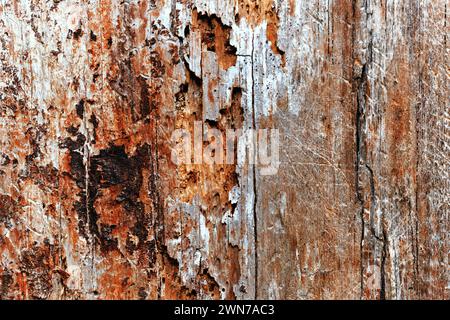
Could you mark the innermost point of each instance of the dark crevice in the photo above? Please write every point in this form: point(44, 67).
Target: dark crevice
point(361, 86)
point(215, 37)
point(360, 83)
point(383, 267)
point(255, 190)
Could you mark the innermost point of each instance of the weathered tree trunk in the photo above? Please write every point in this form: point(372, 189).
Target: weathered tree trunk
point(91, 205)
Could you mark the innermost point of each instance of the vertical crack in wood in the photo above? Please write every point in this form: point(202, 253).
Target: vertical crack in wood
point(255, 190)
point(91, 206)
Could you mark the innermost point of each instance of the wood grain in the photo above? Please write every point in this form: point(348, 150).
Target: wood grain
point(92, 207)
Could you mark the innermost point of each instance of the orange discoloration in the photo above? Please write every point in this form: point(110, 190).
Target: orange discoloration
point(398, 120)
point(117, 280)
point(91, 205)
point(255, 12)
point(215, 37)
point(292, 6)
point(272, 35)
point(107, 206)
point(22, 283)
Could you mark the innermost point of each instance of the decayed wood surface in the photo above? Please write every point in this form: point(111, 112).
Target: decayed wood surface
point(92, 207)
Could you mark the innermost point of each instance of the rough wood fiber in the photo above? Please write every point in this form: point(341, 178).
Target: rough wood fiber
point(91, 205)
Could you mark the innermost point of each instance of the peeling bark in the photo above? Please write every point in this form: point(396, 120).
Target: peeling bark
point(92, 207)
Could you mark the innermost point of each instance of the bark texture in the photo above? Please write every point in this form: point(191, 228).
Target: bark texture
point(92, 207)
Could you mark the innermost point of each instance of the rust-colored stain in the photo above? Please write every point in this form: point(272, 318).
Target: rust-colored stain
point(215, 37)
point(93, 207)
point(255, 12)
